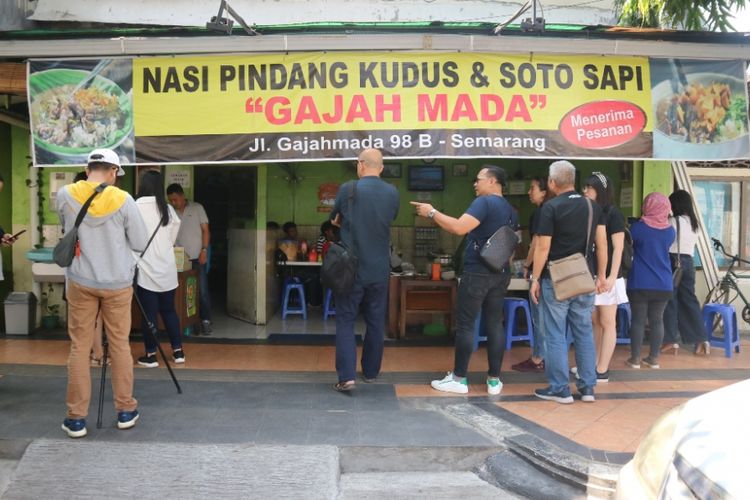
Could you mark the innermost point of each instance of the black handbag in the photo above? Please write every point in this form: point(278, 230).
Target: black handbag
point(65, 250)
point(498, 249)
point(677, 271)
point(339, 270)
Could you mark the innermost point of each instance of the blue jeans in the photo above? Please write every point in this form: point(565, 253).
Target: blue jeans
point(557, 315)
point(485, 292)
point(163, 304)
point(689, 321)
point(204, 295)
point(538, 351)
point(372, 300)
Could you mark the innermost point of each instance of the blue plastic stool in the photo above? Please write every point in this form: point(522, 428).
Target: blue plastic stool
point(329, 306)
point(478, 328)
point(731, 338)
point(512, 334)
point(301, 308)
point(623, 323)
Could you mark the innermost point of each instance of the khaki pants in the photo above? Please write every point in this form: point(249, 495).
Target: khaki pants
point(83, 305)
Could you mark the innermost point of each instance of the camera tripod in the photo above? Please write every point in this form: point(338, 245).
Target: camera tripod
point(152, 330)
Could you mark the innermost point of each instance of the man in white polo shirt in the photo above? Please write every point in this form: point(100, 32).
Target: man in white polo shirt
point(195, 237)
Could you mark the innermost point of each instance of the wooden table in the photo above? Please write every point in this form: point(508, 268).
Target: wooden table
point(186, 302)
point(426, 297)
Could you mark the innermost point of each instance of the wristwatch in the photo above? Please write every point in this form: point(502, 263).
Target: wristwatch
point(431, 213)
point(532, 279)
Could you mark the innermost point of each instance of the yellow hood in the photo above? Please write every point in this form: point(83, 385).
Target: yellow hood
point(109, 201)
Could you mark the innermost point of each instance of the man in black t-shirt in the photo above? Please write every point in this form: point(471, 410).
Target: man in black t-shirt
point(563, 222)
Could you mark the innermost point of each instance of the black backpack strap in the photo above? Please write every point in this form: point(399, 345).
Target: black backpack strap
point(85, 207)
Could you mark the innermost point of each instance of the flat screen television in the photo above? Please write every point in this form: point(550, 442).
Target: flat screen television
point(426, 178)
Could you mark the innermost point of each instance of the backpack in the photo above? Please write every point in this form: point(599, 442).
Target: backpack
point(339, 270)
point(626, 263)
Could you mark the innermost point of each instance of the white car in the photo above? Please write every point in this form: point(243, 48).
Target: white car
point(700, 449)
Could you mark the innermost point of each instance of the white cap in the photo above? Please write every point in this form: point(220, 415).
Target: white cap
point(104, 155)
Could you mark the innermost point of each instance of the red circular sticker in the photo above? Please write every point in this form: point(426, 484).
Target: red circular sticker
point(602, 124)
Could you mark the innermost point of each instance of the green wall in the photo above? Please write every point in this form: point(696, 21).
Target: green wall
point(293, 188)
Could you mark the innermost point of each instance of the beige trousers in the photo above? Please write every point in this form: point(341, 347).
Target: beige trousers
point(83, 305)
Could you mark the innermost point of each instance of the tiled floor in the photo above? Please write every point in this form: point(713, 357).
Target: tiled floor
point(626, 406)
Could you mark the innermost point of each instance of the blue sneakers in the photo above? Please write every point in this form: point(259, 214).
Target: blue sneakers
point(75, 427)
point(126, 419)
point(562, 397)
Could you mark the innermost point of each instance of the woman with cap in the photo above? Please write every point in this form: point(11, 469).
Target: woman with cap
point(599, 189)
point(650, 278)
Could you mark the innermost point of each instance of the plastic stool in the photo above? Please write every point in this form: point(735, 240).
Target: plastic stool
point(731, 338)
point(329, 306)
point(512, 334)
point(623, 323)
point(301, 308)
point(478, 328)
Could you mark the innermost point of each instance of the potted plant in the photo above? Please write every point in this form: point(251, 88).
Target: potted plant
point(50, 312)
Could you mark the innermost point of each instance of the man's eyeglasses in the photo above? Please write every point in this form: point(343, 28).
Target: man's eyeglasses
point(480, 179)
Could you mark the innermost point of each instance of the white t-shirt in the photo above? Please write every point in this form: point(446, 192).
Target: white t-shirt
point(157, 270)
point(688, 237)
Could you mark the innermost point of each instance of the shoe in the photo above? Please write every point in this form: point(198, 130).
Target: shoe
point(670, 348)
point(650, 363)
point(178, 356)
point(368, 380)
point(149, 361)
point(574, 372)
point(126, 419)
point(562, 397)
point(449, 384)
point(97, 362)
point(75, 427)
point(702, 348)
point(494, 386)
point(529, 366)
point(587, 394)
point(344, 386)
point(602, 377)
point(206, 327)
point(633, 363)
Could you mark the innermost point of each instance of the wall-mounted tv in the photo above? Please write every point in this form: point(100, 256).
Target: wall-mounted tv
point(426, 178)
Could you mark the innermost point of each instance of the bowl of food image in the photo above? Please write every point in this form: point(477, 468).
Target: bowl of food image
point(70, 123)
point(705, 119)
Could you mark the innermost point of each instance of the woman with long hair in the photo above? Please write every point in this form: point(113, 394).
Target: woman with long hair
point(157, 272)
point(538, 194)
point(689, 321)
point(650, 278)
point(598, 188)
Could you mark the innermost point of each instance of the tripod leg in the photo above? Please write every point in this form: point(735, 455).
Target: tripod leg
point(152, 330)
point(105, 351)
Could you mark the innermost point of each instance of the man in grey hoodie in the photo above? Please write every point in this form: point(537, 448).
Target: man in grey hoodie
point(100, 279)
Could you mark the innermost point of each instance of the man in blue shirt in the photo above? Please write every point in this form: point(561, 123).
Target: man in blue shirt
point(481, 289)
point(367, 231)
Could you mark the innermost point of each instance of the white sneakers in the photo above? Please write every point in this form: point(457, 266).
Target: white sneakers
point(450, 384)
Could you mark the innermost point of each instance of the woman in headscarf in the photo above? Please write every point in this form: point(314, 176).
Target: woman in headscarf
point(650, 278)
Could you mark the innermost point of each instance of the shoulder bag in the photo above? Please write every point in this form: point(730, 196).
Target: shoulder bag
point(67, 248)
point(677, 271)
point(339, 270)
point(498, 249)
point(570, 275)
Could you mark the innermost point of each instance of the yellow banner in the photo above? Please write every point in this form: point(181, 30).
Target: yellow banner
point(362, 91)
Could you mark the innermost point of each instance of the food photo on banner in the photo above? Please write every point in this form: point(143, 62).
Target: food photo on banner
point(700, 108)
point(249, 108)
point(80, 105)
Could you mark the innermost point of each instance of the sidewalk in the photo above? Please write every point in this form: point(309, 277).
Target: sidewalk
point(246, 398)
